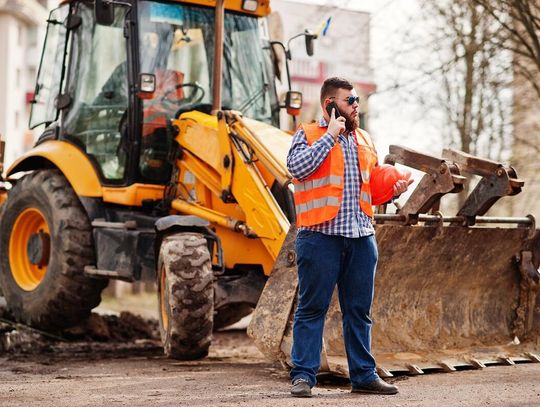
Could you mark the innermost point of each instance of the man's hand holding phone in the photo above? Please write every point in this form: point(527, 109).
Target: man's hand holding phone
point(336, 125)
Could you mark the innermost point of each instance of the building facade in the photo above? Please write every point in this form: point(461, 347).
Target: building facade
point(344, 51)
point(22, 27)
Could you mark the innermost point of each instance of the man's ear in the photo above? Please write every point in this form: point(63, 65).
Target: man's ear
point(325, 103)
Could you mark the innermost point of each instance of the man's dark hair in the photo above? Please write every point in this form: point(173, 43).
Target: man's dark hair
point(331, 85)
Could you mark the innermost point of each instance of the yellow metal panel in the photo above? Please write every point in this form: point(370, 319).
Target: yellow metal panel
point(73, 163)
point(263, 213)
point(274, 141)
point(201, 170)
point(198, 117)
point(191, 208)
point(199, 134)
point(225, 154)
point(204, 173)
point(238, 249)
point(267, 175)
point(230, 209)
point(133, 195)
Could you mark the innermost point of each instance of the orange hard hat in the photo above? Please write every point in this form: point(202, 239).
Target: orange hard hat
point(382, 181)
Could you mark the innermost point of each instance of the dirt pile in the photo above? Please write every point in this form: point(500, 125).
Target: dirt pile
point(110, 330)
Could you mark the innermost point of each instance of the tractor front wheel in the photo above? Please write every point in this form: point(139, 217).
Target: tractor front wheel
point(185, 296)
point(45, 242)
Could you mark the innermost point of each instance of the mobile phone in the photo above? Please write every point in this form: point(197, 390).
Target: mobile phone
point(331, 106)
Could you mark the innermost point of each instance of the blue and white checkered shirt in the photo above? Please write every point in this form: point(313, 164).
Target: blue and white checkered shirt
point(304, 159)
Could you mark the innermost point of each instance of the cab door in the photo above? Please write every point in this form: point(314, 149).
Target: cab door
point(96, 117)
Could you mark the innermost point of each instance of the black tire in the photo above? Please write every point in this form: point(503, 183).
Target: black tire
point(63, 296)
point(185, 296)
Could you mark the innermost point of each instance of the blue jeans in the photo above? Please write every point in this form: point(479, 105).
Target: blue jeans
point(324, 261)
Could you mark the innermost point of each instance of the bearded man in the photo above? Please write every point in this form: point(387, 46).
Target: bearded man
point(331, 162)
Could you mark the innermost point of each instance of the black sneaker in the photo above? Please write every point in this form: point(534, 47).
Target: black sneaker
point(300, 388)
point(377, 386)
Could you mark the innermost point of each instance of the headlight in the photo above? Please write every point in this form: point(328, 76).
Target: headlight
point(250, 5)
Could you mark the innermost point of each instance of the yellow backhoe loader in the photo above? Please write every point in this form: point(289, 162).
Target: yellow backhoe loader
point(161, 158)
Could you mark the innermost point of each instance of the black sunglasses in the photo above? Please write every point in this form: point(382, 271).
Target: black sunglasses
point(350, 100)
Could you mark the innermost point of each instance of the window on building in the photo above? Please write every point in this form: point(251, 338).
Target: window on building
point(32, 74)
point(20, 34)
point(32, 36)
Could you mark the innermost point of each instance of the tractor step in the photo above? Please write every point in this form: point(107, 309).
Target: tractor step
point(91, 271)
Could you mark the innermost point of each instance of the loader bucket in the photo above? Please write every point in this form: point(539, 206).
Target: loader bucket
point(447, 294)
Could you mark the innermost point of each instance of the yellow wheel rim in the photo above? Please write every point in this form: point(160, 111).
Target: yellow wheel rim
point(163, 299)
point(27, 274)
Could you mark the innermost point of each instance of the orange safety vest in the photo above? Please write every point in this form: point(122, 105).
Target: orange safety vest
point(318, 197)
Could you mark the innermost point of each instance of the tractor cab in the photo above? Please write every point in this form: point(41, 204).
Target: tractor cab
point(114, 74)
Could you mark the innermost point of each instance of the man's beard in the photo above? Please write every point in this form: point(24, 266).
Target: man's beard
point(352, 122)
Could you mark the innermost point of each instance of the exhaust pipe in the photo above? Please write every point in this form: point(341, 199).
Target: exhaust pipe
point(218, 56)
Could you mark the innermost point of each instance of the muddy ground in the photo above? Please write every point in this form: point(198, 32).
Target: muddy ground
point(125, 367)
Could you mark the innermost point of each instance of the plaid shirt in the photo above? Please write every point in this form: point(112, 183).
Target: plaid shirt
point(304, 159)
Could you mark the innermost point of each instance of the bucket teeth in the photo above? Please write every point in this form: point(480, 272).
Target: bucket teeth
point(533, 357)
point(476, 363)
point(414, 370)
point(447, 367)
point(506, 360)
point(384, 373)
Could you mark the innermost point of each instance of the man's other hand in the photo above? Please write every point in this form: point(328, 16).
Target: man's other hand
point(401, 186)
point(336, 126)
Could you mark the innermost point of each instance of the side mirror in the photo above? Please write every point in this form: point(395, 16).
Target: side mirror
point(310, 37)
point(147, 86)
point(293, 102)
point(104, 12)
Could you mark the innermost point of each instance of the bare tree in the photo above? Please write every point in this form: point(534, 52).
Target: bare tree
point(474, 75)
point(520, 19)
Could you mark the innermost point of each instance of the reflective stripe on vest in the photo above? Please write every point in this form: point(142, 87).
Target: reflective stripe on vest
point(317, 183)
point(365, 175)
point(364, 196)
point(317, 203)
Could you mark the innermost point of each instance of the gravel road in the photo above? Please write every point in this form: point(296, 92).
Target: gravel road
point(235, 374)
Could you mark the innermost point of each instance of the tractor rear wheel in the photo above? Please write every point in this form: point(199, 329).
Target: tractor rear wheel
point(185, 296)
point(45, 242)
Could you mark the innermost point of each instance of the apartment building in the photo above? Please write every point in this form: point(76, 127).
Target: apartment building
point(22, 27)
point(344, 50)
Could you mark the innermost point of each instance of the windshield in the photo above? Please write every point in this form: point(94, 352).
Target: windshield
point(177, 46)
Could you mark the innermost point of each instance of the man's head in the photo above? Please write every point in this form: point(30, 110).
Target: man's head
point(342, 92)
